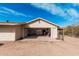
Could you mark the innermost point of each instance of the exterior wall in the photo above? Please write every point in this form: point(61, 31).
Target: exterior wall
point(7, 33)
point(18, 32)
point(11, 33)
point(54, 33)
point(40, 24)
point(25, 33)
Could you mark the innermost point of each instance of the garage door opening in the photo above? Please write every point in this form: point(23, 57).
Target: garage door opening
point(35, 32)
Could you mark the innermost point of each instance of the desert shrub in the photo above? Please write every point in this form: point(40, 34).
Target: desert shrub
point(72, 30)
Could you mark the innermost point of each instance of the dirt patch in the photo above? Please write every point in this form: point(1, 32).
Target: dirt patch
point(70, 46)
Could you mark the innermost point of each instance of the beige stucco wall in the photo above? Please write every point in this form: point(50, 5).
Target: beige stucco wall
point(54, 33)
point(11, 33)
point(18, 32)
point(7, 33)
point(40, 24)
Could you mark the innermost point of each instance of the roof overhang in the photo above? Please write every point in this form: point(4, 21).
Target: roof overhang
point(43, 20)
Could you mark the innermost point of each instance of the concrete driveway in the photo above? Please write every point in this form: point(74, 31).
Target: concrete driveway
point(41, 48)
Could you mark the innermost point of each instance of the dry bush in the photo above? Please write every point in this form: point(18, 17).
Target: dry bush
point(72, 30)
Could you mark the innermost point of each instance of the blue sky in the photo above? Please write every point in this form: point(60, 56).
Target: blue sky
point(63, 14)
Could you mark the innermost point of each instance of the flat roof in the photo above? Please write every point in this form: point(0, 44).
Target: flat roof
point(11, 23)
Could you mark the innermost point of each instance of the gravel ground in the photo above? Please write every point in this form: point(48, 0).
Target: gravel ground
point(69, 47)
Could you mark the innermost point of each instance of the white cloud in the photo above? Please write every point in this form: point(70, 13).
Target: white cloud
point(75, 4)
point(14, 12)
point(56, 10)
point(52, 8)
point(73, 13)
point(2, 11)
point(10, 11)
point(70, 14)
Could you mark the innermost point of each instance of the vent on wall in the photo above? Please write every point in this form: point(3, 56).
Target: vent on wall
point(39, 21)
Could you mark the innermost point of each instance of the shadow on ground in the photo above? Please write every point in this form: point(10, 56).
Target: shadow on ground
point(1, 44)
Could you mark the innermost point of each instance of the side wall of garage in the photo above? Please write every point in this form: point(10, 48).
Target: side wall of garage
point(18, 32)
point(7, 33)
